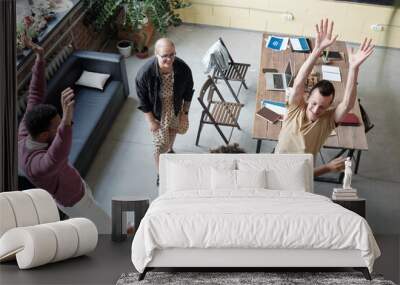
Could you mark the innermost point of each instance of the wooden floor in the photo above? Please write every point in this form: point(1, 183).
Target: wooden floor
point(111, 259)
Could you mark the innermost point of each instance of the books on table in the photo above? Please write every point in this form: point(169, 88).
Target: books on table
point(350, 119)
point(277, 107)
point(331, 73)
point(277, 43)
point(344, 194)
point(300, 44)
point(268, 115)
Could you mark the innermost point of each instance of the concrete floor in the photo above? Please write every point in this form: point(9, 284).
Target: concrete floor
point(124, 164)
point(110, 259)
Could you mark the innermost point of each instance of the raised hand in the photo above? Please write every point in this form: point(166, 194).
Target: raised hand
point(336, 165)
point(67, 104)
point(323, 38)
point(29, 44)
point(365, 50)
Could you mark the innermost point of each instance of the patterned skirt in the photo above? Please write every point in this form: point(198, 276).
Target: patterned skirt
point(168, 126)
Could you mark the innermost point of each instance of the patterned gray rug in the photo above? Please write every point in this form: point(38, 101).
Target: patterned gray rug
point(243, 278)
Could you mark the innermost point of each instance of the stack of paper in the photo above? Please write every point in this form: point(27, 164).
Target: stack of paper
point(344, 194)
point(331, 73)
point(277, 43)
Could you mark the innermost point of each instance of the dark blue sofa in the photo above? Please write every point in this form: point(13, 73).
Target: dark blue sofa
point(95, 110)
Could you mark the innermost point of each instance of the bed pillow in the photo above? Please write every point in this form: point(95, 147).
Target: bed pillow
point(251, 178)
point(294, 179)
point(185, 175)
point(93, 79)
point(223, 179)
point(283, 174)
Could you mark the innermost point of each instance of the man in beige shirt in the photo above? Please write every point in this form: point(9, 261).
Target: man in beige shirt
point(311, 119)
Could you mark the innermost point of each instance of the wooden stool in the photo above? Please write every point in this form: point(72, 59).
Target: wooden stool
point(121, 204)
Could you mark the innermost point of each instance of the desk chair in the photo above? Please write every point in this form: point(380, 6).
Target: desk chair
point(218, 113)
point(367, 127)
point(235, 72)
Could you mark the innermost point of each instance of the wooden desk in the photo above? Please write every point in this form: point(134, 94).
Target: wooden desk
point(349, 138)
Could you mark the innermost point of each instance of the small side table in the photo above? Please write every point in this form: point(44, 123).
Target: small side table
point(358, 206)
point(122, 204)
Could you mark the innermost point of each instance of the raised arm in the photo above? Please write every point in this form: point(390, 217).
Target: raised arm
point(323, 39)
point(60, 146)
point(350, 92)
point(37, 86)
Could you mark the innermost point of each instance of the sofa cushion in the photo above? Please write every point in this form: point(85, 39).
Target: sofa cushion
point(93, 79)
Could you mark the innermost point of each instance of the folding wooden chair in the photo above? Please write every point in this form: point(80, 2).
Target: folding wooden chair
point(235, 72)
point(218, 113)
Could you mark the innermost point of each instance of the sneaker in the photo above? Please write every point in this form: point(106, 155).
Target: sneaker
point(158, 180)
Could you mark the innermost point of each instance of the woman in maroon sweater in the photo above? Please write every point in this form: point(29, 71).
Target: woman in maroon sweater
point(44, 143)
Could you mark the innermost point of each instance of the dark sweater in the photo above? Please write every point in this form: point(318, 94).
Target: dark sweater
point(47, 167)
point(148, 86)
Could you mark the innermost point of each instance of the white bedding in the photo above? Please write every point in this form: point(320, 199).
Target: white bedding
point(251, 218)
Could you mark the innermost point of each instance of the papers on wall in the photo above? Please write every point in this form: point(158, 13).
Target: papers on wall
point(331, 73)
point(274, 106)
point(299, 44)
point(277, 43)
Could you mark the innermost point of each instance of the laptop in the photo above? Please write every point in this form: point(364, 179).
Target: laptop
point(280, 81)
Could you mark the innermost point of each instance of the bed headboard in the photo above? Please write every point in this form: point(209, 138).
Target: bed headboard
point(286, 165)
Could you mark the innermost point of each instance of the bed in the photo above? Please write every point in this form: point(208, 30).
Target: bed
point(247, 210)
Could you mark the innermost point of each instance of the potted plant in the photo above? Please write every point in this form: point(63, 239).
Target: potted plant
point(131, 18)
point(125, 48)
point(133, 23)
point(141, 48)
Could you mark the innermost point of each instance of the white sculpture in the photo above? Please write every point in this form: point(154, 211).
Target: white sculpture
point(348, 173)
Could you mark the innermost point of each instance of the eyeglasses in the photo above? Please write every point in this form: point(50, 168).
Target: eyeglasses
point(167, 56)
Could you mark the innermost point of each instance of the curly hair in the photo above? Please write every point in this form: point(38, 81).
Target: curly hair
point(38, 119)
point(228, 149)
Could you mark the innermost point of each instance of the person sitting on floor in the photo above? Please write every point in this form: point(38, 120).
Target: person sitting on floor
point(309, 121)
point(44, 143)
